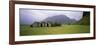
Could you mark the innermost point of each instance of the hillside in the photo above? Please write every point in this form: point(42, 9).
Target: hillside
point(85, 20)
point(60, 19)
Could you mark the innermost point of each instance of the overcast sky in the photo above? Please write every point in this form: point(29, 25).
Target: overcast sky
point(31, 15)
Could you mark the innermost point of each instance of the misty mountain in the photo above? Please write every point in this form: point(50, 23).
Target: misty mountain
point(60, 19)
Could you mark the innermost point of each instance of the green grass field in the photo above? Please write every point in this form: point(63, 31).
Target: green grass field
point(64, 29)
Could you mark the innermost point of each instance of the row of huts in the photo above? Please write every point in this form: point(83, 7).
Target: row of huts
point(45, 24)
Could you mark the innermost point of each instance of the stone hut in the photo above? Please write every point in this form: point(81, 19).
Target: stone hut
point(40, 24)
point(44, 24)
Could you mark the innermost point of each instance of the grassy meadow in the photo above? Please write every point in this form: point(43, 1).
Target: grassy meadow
point(26, 30)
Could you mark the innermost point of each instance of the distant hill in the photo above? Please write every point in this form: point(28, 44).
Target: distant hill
point(60, 19)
